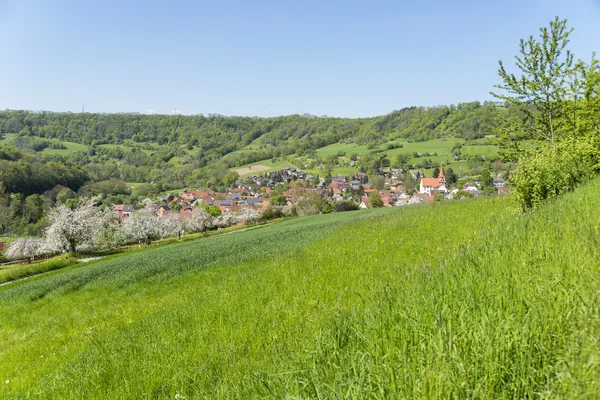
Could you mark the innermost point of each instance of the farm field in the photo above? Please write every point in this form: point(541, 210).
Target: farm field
point(485, 303)
point(262, 167)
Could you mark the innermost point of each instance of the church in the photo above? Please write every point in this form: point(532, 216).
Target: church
point(432, 186)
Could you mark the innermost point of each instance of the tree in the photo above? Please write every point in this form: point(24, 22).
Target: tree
point(142, 227)
point(33, 209)
point(450, 176)
point(225, 220)
point(546, 68)
point(436, 172)
point(172, 225)
point(109, 235)
point(375, 200)
point(486, 179)
point(411, 183)
point(72, 229)
point(278, 200)
point(377, 182)
point(201, 220)
point(64, 195)
point(249, 215)
point(23, 248)
point(307, 203)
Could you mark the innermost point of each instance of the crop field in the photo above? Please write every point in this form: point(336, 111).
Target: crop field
point(261, 167)
point(486, 302)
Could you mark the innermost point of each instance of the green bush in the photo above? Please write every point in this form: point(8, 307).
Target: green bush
point(552, 171)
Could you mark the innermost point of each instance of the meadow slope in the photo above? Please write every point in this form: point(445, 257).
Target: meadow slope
point(464, 299)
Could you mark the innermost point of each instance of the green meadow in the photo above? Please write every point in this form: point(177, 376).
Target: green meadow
point(470, 299)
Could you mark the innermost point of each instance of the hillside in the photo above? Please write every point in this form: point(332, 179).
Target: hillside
point(465, 299)
point(181, 151)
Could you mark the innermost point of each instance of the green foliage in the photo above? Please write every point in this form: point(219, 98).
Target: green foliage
point(546, 68)
point(277, 200)
point(554, 171)
point(561, 101)
point(271, 213)
point(375, 200)
point(463, 195)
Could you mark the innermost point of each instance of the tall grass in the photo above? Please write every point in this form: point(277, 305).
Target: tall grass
point(454, 300)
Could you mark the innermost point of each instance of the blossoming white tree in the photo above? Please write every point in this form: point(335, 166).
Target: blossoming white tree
point(72, 229)
point(200, 221)
point(142, 227)
point(23, 249)
point(172, 225)
point(109, 235)
point(249, 215)
point(225, 220)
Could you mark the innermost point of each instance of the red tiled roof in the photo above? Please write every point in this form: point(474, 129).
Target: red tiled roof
point(430, 182)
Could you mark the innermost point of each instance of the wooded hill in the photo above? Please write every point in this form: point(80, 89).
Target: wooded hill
point(215, 136)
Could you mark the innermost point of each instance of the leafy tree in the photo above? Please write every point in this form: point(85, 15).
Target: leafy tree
point(377, 182)
point(546, 67)
point(376, 202)
point(451, 177)
point(64, 195)
point(436, 172)
point(278, 200)
point(486, 179)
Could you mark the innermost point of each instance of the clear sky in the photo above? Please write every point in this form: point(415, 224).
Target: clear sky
point(265, 58)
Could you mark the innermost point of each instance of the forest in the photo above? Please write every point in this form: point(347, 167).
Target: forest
point(179, 151)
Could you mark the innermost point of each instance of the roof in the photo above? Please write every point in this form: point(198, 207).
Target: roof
point(365, 200)
point(441, 175)
point(430, 182)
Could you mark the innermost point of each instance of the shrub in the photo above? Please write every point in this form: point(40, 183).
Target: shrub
point(271, 213)
point(552, 171)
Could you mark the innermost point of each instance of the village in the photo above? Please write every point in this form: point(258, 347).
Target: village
point(282, 192)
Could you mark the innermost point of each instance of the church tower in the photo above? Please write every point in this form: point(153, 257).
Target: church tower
point(442, 177)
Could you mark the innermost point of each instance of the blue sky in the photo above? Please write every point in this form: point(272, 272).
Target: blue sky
point(266, 58)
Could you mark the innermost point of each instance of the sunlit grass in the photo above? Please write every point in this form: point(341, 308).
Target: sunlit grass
point(459, 300)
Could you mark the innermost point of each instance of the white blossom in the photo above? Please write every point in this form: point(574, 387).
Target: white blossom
point(72, 230)
point(249, 214)
point(172, 225)
point(142, 227)
point(24, 248)
point(200, 221)
point(225, 220)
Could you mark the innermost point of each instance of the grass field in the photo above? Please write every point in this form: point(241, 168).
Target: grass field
point(263, 166)
point(484, 303)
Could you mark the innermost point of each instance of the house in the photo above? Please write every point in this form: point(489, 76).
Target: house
point(498, 182)
point(432, 186)
point(164, 210)
point(338, 179)
point(422, 197)
point(365, 203)
point(124, 210)
point(397, 187)
point(355, 184)
point(187, 196)
point(471, 188)
point(256, 201)
point(152, 208)
point(503, 190)
point(186, 212)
